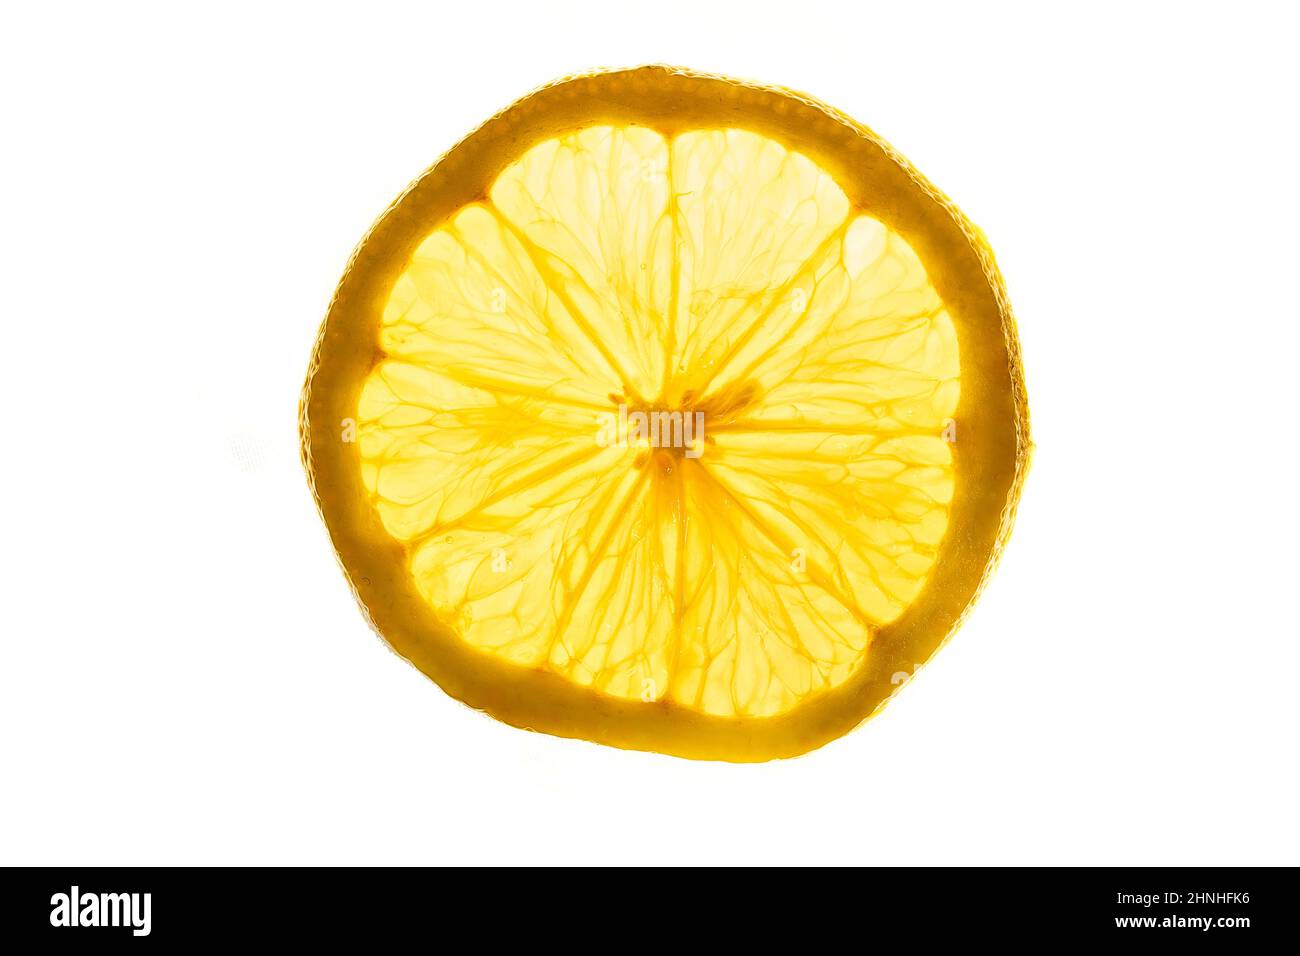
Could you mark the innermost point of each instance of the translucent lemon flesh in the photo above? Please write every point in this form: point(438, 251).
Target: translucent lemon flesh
point(617, 274)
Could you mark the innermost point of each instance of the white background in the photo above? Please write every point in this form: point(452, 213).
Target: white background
point(185, 677)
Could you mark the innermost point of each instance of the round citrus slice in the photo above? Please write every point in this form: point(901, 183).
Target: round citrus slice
point(669, 412)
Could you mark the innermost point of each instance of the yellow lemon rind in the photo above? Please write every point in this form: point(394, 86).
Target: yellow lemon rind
point(991, 454)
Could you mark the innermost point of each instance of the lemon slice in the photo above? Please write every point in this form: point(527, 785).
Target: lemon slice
point(669, 412)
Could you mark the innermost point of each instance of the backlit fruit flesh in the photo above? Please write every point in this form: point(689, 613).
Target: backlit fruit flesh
point(669, 412)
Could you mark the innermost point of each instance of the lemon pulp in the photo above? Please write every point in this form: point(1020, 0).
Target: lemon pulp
point(711, 275)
